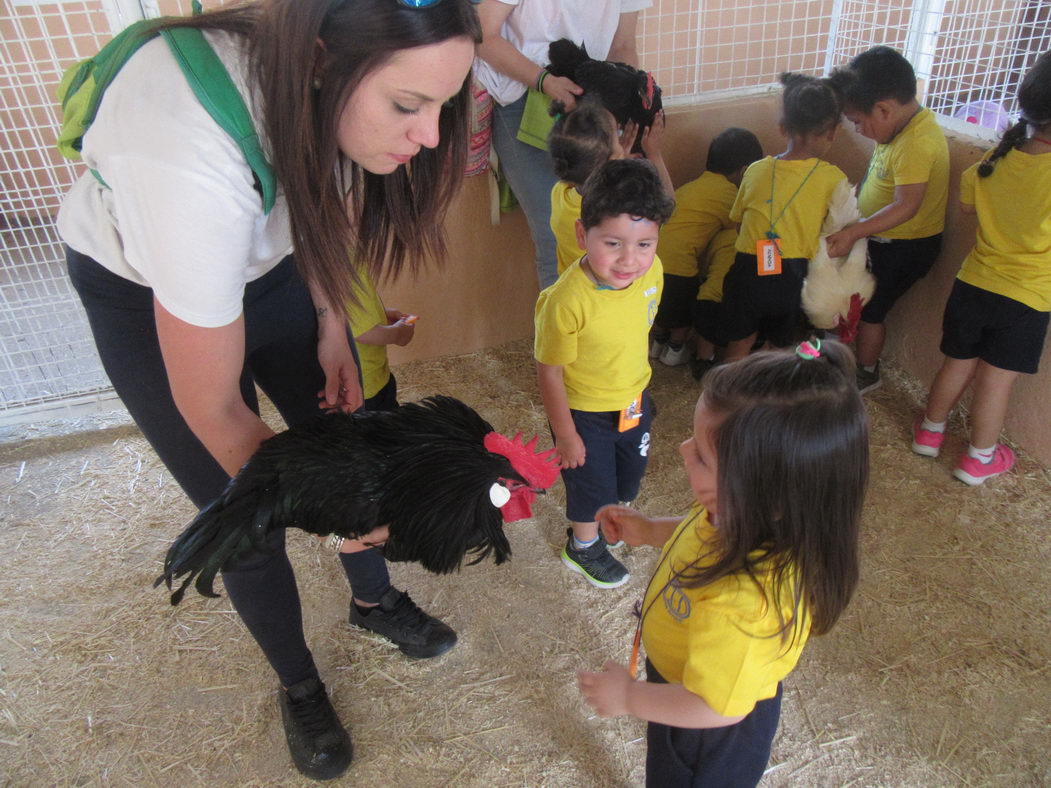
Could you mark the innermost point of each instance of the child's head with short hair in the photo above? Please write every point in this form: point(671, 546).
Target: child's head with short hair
point(1034, 99)
point(779, 457)
point(809, 106)
point(732, 151)
point(878, 91)
point(623, 206)
point(582, 140)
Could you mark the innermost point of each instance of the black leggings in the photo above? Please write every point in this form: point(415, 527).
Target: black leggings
point(281, 358)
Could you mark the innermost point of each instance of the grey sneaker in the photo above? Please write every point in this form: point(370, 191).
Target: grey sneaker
point(402, 622)
point(595, 563)
point(868, 381)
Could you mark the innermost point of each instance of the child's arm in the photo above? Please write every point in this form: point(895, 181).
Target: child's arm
point(568, 443)
point(399, 330)
point(652, 138)
point(613, 693)
point(635, 528)
point(907, 201)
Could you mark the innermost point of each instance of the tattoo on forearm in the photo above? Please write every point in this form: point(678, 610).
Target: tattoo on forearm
point(321, 312)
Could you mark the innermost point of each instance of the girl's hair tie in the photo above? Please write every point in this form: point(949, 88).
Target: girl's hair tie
point(807, 350)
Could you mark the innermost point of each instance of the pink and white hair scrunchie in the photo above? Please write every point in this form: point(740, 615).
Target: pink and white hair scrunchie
point(807, 350)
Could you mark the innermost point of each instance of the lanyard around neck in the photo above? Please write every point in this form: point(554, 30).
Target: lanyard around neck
point(633, 663)
point(773, 171)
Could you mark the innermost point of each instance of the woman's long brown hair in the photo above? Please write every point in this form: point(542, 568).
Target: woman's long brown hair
point(792, 449)
point(390, 222)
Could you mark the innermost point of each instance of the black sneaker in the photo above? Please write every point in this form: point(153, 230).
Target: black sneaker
point(868, 381)
point(318, 742)
point(399, 620)
point(595, 563)
point(699, 367)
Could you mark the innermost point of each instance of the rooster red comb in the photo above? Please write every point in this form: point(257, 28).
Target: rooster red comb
point(539, 469)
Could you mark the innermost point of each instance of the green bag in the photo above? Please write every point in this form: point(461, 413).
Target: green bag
point(84, 84)
point(536, 120)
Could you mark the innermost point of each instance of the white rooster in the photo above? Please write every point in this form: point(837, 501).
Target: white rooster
point(835, 289)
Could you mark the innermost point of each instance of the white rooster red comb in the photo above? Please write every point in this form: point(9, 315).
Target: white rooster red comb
point(540, 469)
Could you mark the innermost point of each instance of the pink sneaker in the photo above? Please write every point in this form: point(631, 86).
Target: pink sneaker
point(926, 442)
point(974, 471)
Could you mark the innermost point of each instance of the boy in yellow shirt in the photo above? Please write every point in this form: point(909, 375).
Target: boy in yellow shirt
point(702, 209)
point(592, 367)
point(904, 192)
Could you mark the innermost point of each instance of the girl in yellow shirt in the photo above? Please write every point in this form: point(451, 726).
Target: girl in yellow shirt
point(777, 463)
point(997, 316)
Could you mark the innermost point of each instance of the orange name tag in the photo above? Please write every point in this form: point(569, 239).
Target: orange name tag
point(769, 257)
point(630, 416)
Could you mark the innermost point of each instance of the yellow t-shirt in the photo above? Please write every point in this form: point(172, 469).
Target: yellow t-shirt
point(719, 640)
point(598, 336)
point(369, 312)
point(702, 208)
point(801, 192)
point(918, 154)
point(565, 210)
point(1012, 250)
point(719, 257)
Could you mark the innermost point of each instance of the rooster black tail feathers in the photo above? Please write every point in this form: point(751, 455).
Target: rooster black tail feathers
point(222, 529)
point(565, 57)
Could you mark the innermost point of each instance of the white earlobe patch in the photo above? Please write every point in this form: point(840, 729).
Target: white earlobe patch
point(499, 495)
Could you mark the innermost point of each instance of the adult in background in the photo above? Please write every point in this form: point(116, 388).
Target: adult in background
point(195, 295)
point(515, 37)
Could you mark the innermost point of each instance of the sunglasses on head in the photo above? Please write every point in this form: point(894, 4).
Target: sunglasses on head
point(426, 3)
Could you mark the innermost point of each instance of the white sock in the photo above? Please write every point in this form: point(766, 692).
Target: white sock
point(868, 368)
point(932, 426)
point(984, 456)
point(579, 545)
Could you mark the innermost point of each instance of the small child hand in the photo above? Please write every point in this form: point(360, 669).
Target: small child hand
point(401, 333)
point(626, 140)
point(606, 692)
point(839, 244)
point(623, 522)
point(652, 137)
point(571, 451)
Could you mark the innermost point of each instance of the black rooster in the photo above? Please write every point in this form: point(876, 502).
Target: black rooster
point(627, 92)
point(434, 471)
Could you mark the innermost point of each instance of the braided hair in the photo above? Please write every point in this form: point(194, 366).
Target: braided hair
point(1034, 98)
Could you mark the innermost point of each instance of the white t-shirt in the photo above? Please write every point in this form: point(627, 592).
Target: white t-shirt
point(533, 25)
point(182, 216)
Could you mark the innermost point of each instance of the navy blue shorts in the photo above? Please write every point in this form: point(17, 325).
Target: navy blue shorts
point(677, 300)
point(999, 330)
point(384, 399)
point(897, 264)
point(614, 464)
point(734, 756)
point(771, 304)
point(706, 321)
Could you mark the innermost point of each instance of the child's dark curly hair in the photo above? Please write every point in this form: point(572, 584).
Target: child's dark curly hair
point(731, 150)
point(876, 74)
point(1034, 98)
point(808, 105)
point(581, 141)
point(630, 186)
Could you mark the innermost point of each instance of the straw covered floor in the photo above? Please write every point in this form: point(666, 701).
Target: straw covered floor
point(937, 675)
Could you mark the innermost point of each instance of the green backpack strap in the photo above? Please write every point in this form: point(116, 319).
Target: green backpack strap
point(83, 85)
point(213, 87)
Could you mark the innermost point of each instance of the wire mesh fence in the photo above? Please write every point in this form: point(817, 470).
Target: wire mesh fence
point(969, 56)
